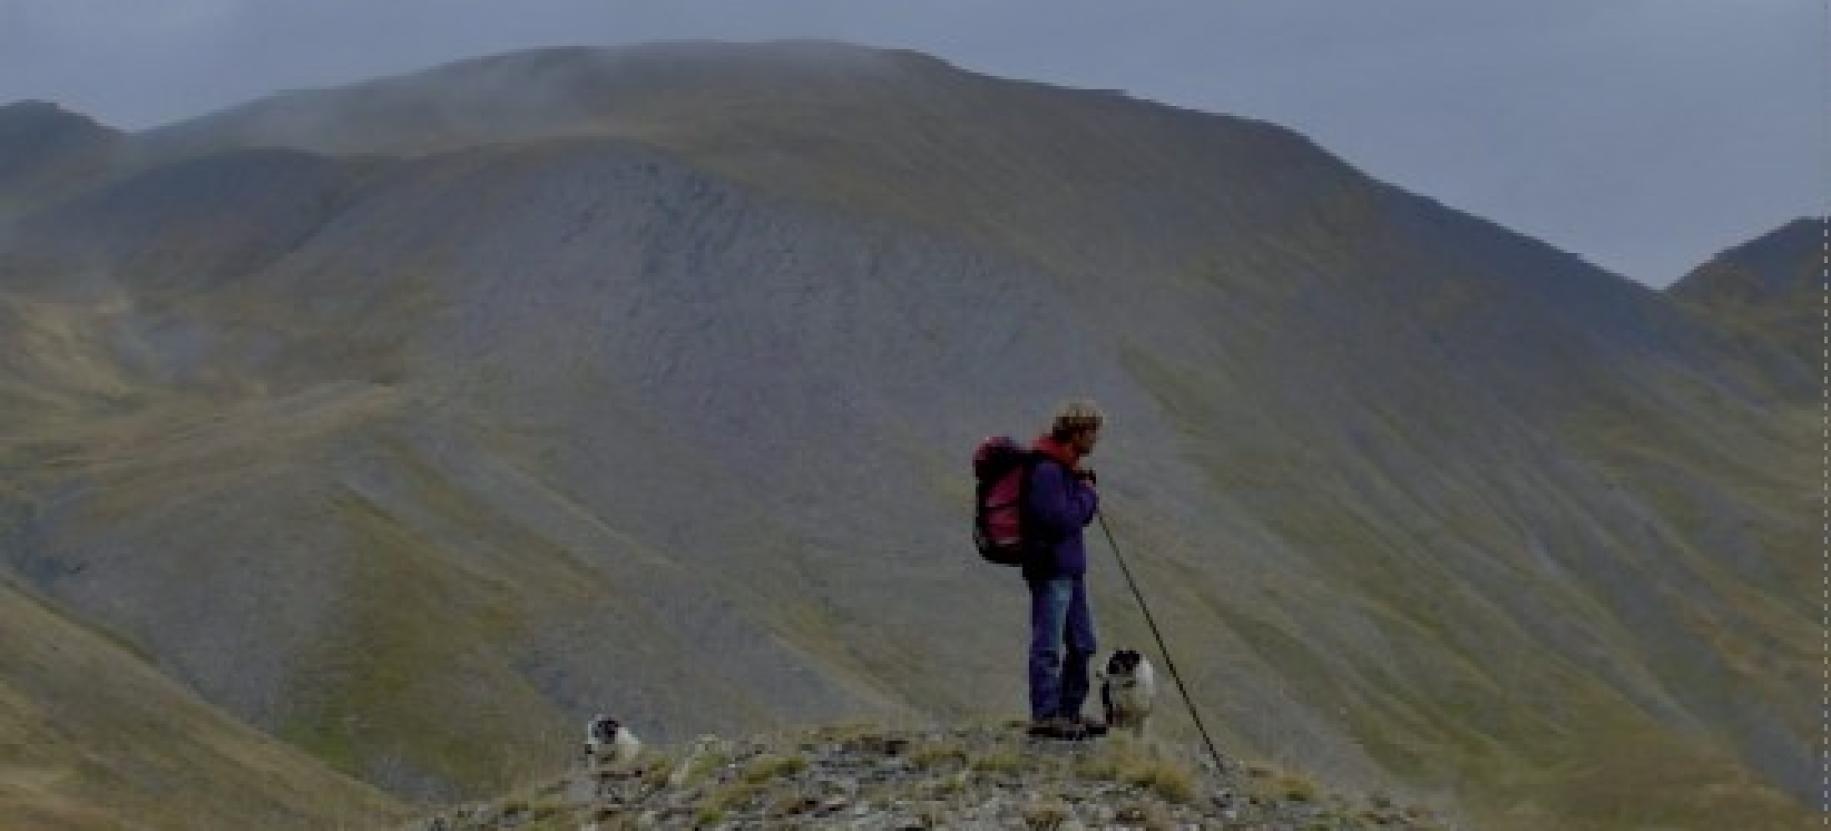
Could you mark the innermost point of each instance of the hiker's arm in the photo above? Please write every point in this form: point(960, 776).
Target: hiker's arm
point(1060, 507)
point(1086, 500)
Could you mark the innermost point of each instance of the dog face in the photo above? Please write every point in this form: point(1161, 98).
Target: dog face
point(1123, 664)
point(602, 729)
point(609, 743)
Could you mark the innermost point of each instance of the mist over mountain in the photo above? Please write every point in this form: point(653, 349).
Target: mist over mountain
point(411, 422)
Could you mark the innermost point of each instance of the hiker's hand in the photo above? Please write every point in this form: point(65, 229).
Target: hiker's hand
point(1087, 475)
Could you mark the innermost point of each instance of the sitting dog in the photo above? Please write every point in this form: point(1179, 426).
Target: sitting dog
point(1128, 688)
point(608, 742)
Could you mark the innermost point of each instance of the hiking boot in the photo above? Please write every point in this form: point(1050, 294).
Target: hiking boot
point(1093, 728)
point(1058, 728)
point(1043, 728)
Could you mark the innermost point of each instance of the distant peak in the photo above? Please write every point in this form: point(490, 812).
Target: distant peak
point(1768, 266)
point(29, 106)
point(36, 115)
point(1793, 234)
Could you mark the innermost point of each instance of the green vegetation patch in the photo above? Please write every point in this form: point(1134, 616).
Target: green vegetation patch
point(410, 678)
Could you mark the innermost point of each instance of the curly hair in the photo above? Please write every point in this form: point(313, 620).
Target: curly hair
point(1075, 416)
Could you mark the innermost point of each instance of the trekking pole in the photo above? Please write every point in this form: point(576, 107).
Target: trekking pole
point(1169, 662)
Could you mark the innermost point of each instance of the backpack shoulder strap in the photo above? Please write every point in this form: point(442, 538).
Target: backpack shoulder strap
point(1031, 459)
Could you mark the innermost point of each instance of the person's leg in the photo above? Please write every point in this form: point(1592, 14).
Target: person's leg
point(1079, 633)
point(1049, 601)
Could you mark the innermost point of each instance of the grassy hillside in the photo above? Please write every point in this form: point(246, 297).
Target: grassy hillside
point(98, 738)
point(1770, 292)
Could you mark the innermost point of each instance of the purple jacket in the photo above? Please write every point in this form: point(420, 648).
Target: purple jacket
point(1058, 507)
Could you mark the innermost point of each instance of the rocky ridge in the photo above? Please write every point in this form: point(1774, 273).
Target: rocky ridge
point(972, 777)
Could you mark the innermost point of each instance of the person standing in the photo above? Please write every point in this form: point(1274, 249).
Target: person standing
point(1059, 502)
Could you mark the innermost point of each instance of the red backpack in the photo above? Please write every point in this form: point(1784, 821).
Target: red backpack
point(1002, 468)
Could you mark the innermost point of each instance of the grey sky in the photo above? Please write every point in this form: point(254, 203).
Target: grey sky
point(1643, 134)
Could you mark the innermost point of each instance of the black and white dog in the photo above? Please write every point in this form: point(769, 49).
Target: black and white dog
point(1128, 688)
point(608, 742)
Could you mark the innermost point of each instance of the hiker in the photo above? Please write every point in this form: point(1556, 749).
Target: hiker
point(1059, 501)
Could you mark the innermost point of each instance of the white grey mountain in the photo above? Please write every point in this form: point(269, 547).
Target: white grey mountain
point(416, 420)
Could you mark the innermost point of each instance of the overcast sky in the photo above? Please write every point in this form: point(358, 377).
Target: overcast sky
point(1644, 135)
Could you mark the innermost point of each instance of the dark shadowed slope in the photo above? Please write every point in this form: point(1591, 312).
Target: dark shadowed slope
point(644, 380)
point(46, 151)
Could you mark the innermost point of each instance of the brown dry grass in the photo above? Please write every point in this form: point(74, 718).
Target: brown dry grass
point(1141, 764)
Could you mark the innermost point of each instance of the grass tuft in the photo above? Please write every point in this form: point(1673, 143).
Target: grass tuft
point(931, 755)
point(771, 766)
point(1141, 766)
point(1001, 760)
point(1045, 815)
point(1276, 783)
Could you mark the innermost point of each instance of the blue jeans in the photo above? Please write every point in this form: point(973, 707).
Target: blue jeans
point(1058, 613)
